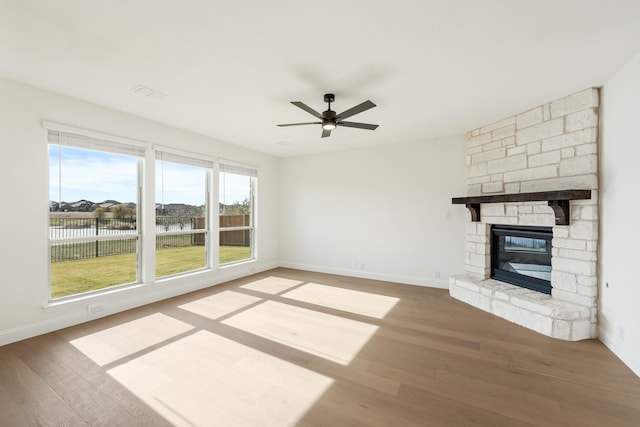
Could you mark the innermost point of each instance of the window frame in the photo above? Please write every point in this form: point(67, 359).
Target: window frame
point(84, 139)
point(250, 171)
point(192, 159)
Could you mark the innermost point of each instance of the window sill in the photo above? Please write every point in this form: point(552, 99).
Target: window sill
point(88, 297)
point(238, 263)
point(165, 279)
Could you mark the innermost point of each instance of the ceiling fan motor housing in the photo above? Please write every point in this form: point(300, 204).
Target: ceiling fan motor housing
point(329, 119)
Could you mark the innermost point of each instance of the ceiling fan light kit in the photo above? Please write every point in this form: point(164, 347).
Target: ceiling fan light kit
point(330, 120)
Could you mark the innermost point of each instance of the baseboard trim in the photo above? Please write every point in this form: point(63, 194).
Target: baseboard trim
point(38, 328)
point(75, 314)
point(617, 348)
point(408, 280)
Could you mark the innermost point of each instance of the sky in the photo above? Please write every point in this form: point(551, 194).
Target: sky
point(99, 176)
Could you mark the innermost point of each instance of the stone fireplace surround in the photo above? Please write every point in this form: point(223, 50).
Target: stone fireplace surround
point(548, 148)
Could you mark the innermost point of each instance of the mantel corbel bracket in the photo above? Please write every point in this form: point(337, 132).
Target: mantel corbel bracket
point(561, 210)
point(474, 209)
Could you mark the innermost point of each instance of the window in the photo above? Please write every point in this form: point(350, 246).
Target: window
point(237, 213)
point(182, 226)
point(94, 233)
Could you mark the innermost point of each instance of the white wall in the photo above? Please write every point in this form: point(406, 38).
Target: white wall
point(619, 312)
point(24, 205)
point(381, 212)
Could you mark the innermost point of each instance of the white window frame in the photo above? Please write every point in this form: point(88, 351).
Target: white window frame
point(70, 136)
point(192, 159)
point(252, 172)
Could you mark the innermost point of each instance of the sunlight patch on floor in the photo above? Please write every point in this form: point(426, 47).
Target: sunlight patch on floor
point(114, 343)
point(220, 304)
point(365, 303)
point(208, 380)
point(272, 285)
point(331, 337)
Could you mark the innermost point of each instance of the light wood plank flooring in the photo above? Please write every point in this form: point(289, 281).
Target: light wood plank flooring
point(288, 347)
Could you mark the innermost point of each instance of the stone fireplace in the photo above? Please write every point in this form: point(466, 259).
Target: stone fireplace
point(551, 148)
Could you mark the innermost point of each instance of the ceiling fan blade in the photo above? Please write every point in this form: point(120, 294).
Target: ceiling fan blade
point(299, 124)
point(358, 125)
point(308, 109)
point(357, 109)
point(326, 133)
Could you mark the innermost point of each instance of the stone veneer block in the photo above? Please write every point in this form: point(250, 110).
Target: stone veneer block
point(584, 136)
point(587, 98)
point(548, 158)
point(476, 170)
point(492, 145)
point(478, 140)
point(529, 118)
point(530, 174)
point(581, 330)
point(560, 183)
point(475, 299)
point(512, 151)
point(485, 156)
point(540, 131)
point(492, 187)
point(584, 149)
point(581, 165)
point(511, 188)
point(504, 164)
point(503, 132)
point(581, 120)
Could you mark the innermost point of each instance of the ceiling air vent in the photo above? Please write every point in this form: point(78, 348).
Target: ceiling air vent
point(148, 92)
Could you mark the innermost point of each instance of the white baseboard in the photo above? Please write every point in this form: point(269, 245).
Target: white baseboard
point(64, 316)
point(616, 347)
point(22, 332)
point(396, 278)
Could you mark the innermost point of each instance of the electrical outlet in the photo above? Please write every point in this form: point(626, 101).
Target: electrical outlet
point(437, 274)
point(94, 308)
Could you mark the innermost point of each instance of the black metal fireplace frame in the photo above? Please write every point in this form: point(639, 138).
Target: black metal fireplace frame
point(533, 283)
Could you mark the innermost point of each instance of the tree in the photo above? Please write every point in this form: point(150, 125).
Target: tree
point(120, 212)
point(99, 214)
point(237, 208)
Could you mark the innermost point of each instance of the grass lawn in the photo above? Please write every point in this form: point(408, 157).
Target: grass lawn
point(74, 277)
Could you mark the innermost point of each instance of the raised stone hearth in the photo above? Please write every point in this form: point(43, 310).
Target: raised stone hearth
point(548, 148)
point(534, 310)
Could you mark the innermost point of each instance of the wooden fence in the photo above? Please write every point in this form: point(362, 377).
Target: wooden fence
point(235, 237)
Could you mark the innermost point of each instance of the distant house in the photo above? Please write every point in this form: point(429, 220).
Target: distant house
point(81, 206)
point(107, 205)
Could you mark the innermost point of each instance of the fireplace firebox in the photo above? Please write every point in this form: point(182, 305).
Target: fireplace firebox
point(522, 256)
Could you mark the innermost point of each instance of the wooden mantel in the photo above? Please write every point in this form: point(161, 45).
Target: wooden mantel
point(558, 201)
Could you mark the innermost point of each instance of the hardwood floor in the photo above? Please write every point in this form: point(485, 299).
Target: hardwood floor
point(287, 347)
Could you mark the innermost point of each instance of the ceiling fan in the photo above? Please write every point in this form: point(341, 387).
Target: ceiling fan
point(330, 120)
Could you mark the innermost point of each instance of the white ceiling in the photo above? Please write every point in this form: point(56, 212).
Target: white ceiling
point(230, 68)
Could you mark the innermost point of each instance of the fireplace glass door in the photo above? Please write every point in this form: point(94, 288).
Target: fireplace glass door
point(522, 256)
